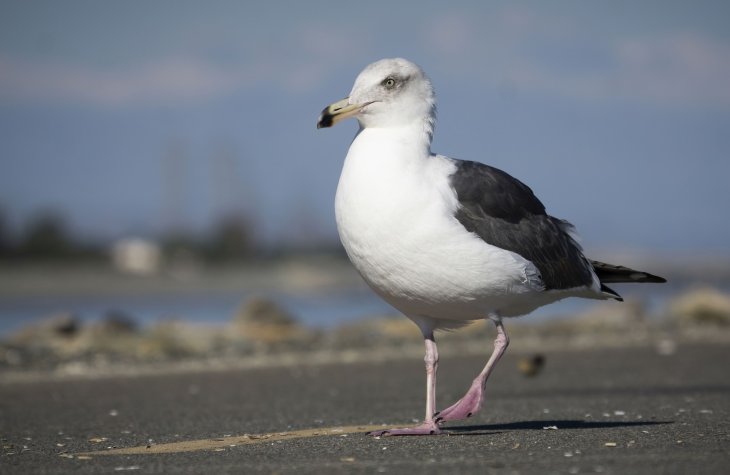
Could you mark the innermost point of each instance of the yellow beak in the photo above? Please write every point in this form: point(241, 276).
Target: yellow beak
point(338, 111)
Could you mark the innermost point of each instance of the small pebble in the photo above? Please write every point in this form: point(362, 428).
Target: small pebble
point(666, 347)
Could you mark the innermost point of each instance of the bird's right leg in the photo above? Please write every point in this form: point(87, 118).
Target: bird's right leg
point(429, 425)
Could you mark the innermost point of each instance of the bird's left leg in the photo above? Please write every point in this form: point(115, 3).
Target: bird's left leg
point(429, 425)
point(472, 400)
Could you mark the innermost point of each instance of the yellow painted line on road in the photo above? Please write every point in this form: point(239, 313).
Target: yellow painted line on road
point(233, 441)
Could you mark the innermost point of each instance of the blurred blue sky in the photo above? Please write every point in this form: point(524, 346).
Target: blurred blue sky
point(131, 117)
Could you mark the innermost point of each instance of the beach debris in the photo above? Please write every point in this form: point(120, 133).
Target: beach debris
point(263, 310)
point(98, 440)
point(128, 468)
point(58, 326)
point(702, 306)
point(263, 321)
point(114, 413)
point(550, 428)
point(347, 459)
point(619, 413)
point(610, 444)
point(115, 322)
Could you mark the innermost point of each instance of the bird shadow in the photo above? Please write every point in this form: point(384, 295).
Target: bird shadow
point(547, 425)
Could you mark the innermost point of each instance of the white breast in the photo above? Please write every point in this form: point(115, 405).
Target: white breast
point(395, 215)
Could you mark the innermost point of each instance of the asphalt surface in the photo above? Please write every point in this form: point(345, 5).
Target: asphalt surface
point(597, 411)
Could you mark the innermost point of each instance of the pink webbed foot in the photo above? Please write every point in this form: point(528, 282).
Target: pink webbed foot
point(464, 407)
point(426, 428)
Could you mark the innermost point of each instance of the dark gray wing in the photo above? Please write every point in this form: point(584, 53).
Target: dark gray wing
point(504, 212)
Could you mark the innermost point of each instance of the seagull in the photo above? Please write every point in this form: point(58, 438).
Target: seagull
point(448, 241)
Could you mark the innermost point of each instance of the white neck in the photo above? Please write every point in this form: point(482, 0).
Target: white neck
point(392, 143)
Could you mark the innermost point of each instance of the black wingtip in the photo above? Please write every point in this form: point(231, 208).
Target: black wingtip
point(609, 273)
point(653, 278)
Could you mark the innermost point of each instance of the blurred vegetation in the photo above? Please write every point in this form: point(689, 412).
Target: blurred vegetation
point(45, 238)
point(48, 237)
point(231, 240)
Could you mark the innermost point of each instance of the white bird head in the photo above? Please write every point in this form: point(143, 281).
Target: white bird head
point(387, 93)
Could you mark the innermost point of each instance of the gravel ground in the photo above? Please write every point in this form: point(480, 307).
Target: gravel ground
point(609, 410)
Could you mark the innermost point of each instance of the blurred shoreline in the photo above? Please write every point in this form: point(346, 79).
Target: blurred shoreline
point(260, 329)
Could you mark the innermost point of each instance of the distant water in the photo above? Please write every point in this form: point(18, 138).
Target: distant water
point(319, 310)
point(314, 310)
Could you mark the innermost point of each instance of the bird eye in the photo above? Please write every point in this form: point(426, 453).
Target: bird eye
point(389, 83)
